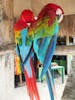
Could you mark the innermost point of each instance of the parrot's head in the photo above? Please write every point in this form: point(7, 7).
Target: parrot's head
point(52, 11)
point(57, 9)
point(27, 16)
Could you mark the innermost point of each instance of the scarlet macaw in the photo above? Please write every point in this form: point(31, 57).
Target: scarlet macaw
point(44, 34)
point(25, 53)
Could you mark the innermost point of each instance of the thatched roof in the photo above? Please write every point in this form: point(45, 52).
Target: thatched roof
point(67, 27)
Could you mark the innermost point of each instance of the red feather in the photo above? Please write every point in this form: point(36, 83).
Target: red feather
point(20, 25)
point(54, 7)
point(50, 11)
point(27, 16)
point(31, 83)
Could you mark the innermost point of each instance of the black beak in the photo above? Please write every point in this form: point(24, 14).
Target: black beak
point(58, 17)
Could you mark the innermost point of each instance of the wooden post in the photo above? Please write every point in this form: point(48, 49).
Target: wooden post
point(74, 40)
point(6, 22)
point(67, 40)
point(67, 43)
point(10, 17)
point(8, 10)
point(1, 11)
point(68, 57)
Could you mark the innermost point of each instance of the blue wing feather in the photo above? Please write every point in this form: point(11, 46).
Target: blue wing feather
point(49, 55)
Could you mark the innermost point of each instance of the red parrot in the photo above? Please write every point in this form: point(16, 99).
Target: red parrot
point(25, 52)
point(44, 35)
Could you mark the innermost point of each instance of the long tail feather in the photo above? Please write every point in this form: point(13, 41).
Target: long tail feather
point(49, 55)
point(35, 90)
point(31, 83)
point(50, 87)
point(29, 86)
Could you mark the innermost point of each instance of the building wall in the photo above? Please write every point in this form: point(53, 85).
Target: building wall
point(20, 5)
point(67, 5)
point(7, 89)
point(8, 10)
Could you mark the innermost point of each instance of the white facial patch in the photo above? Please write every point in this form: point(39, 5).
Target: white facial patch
point(35, 18)
point(28, 24)
point(58, 12)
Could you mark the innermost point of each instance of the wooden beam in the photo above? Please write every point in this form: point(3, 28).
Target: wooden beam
point(10, 5)
point(60, 50)
point(8, 8)
point(67, 5)
point(10, 46)
point(65, 50)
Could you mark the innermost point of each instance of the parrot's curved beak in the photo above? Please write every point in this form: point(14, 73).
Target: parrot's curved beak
point(60, 18)
point(59, 15)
